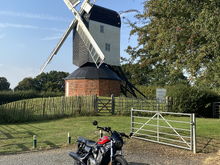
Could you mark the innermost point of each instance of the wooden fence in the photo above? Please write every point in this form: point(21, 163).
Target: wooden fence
point(123, 105)
point(47, 108)
point(55, 107)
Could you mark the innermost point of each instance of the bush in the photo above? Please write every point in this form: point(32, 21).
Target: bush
point(148, 91)
point(10, 96)
point(189, 99)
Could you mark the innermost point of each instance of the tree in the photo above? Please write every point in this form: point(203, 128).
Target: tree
point(136, 74)
point(26, 84)
point(51, 82)
point(179, 36)
point(4, 84)
point(45, 82)
point(160, 76)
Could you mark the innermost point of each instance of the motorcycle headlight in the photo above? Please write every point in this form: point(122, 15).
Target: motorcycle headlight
point(118, 144)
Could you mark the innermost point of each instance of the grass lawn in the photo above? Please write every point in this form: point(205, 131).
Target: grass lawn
point(53, 134)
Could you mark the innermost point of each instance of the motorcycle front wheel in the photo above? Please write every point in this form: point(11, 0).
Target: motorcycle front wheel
point(76, 162)
point(119, 160)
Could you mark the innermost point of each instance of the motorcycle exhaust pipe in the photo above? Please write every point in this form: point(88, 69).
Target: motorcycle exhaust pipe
point(76, 157)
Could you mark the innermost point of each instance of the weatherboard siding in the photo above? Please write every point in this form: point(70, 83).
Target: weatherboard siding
point(111, 36)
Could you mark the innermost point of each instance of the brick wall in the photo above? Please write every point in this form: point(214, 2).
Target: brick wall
point(87, 87)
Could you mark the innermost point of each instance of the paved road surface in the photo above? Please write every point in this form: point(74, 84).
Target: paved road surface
point(136, 152)
point(60, 157)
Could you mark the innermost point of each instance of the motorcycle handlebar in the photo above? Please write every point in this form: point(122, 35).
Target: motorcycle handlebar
point(106, 129)
point(123, 134)
point(127, 136)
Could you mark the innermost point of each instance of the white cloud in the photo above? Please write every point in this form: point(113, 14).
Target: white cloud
point(12, 25)
point(26, 26)
point(32, 16)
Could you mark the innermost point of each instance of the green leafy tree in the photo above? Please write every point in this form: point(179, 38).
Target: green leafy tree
point(26, 84)
point(136, 74)
point(160, 76)
point(4, 84)
point(179, 36)
point(45, 82)
point(51, 82)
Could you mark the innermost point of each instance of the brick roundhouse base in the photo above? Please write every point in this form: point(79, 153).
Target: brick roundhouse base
point(86, 87)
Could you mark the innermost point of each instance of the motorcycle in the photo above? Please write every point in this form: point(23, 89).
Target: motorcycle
point(107, 151)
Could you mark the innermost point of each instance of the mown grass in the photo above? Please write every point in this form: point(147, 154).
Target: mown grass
point(53, 134)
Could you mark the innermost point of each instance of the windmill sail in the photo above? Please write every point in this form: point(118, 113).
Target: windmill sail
point(58, 46)
point(91, 45)
point(71, 3)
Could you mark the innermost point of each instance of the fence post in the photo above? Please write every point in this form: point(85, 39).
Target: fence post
point(213, 109)
point(44, 102)
point(95, 101)
point(69, 138)
point(113, 104)
point(132, 120)
point(158, 127)
point(193, 134)
point(34, 141)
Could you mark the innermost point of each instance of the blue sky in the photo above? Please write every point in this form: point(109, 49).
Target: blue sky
point(30, 29)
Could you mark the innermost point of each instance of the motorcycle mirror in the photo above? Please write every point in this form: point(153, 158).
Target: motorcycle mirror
point(95, 123)
point(131, 134)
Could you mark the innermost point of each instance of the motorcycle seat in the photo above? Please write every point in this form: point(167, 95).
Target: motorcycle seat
point(81, 140)
point(89, 143)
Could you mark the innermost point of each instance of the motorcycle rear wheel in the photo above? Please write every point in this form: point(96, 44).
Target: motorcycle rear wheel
point(119, 160)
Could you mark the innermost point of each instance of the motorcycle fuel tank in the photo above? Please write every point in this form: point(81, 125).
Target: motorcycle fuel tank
point(104, 139)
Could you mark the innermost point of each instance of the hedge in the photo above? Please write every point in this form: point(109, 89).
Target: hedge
point(186, 99)
point(10, 96)
point(189, 99)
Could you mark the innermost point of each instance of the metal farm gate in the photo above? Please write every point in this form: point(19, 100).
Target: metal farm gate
point(173, 129)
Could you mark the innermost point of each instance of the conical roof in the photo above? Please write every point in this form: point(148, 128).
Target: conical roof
point(90, 71)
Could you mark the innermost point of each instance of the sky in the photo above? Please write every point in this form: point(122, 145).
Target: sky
point(30, 29)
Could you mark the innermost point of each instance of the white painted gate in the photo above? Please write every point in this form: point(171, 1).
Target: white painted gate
point(173, 129)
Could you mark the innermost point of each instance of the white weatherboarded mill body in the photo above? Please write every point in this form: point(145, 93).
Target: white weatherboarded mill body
point(104, 25)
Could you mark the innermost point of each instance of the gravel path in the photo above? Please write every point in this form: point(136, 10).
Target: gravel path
point(136, 152)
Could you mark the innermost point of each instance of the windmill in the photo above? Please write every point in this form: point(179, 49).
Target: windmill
point(96, 51)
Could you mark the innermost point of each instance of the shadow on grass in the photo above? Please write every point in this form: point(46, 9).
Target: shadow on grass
point(6, 134)
point(22, 147)
point(207, 145)
point(52, 145)
point(33, 127)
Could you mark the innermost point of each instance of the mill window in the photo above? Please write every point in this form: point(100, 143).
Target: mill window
point(102, 29)
point(107, 47)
